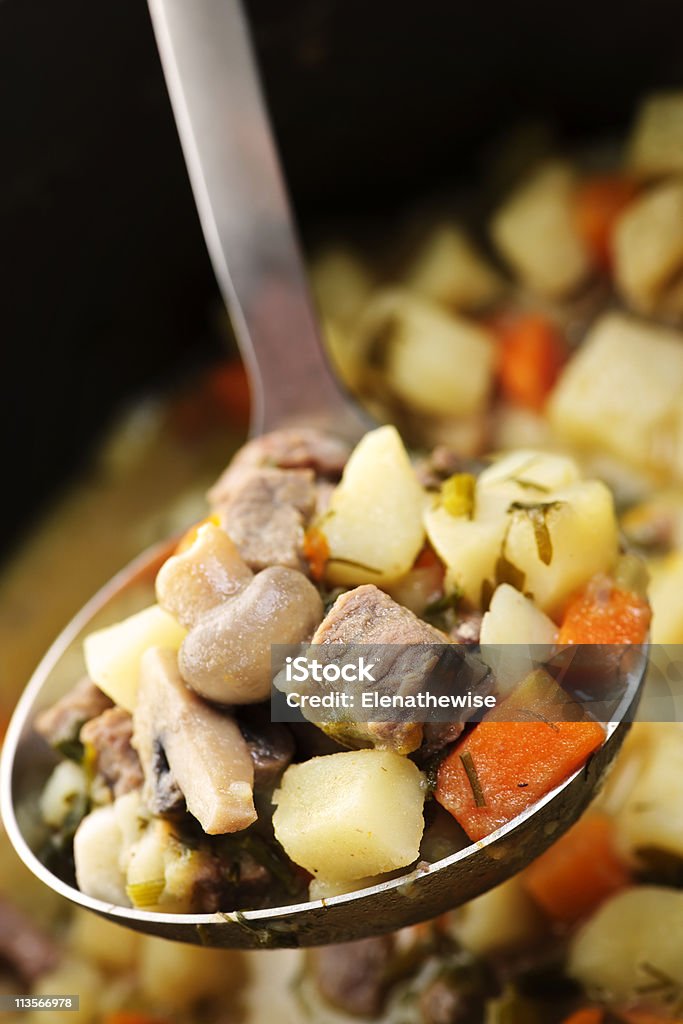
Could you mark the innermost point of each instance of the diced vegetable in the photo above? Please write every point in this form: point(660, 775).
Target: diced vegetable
point(173, 975)
point(75, 977)
point(603, 614)
point(597, 204)
point(621, 393)
point(469, 549)
point(531, 351)
point(559, 543)
point(503, 918)
point(203, 748)
point(650, 818)
point(656, 147)
point(665, 598)
point(578, 872)
point(630, 950)
point(373, 527)
point(511, 624)
point(589, 1015)
point(648, 250)
point(112, 655)
point(505, 765)
point(66, 787)
point(342, 284)
point(111, 946)
point(449, 270)
point(100, 844)
point(536, 234)
point(352, 814)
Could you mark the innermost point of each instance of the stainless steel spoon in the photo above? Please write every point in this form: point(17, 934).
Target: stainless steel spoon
point(244, 211)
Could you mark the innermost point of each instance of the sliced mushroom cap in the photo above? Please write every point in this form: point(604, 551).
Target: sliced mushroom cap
point(226, 656)
point(208, 572)
point(203, 748)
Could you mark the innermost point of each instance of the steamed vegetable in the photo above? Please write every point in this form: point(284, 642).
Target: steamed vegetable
point(578, 872)
point(531, 351)
point(507, 763)
point(112, 655)
point(656, 146)
point(373, 527)
point(597, 205)
point(604, 614)
point(351, 814)
point(648, 250)
point(449, 270)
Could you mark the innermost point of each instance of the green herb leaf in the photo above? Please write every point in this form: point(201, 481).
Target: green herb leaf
point(473, 779)
point(538, 517)
point(457, 494)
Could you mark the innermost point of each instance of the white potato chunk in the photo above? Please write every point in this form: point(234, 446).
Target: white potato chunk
point(101, 846)
point(67, 785)
point(648, 249)
point(348, 815)
point(656, 145)
point(622, 392)
point(534, 231)
point(71, 977)
point(449, 270)
point(112, 654)
point(109, 945)
point(665, 592)
point(175, 976)
point(503, 918)
point(524, 475)
point(470, 550)
point(514, 634)
point(582, 540)
point(374, 526)
point(341, 284)
point(632, 941)
point(651, 817)
point(97, 856)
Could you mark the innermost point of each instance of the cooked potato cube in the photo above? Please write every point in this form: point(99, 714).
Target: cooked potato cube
point(524, 475)
point(450, 271)
point(469, 548)
point(97, 856)
point(67, 785)
point(374, 526)
point(561, 544)
point(436, 363)
point(503, 918)
point(112, 655)
point(665, 591)
point(622, 392)
point(174, 976)
point(651, 816)
point(534, 231)
point(512, 619)
point(648, 249)
point(348, 815)
point(341, 284)
point(631, 943)
point(656, 145)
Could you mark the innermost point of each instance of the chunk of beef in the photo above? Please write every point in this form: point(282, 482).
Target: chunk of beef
point(442, 1003)
point(366, 615)
point(61, 723)
point(270, 744)
point(266, 515)
point(109, 737)
point(27, 950)
point(436, 736)
point(296, 448)
point(354, 976)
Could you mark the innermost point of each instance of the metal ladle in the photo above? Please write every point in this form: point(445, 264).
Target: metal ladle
point(243, 207)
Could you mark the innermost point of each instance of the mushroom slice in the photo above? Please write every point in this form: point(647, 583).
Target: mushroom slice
point(203, 748)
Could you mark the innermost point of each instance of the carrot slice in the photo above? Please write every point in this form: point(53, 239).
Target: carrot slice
point(530, 356)
point(316, 552)
point(502, 768)
point(598, 202)
point(578, 872)
point(588, 1015)
point(132, 1017)
point(603, 614)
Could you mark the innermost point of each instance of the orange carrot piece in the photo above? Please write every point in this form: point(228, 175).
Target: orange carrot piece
point(578, 872)
point(531, 353)
point(316, 552)
point(605, 615)
point(190, 535)
point(598, 202)
point(588, 1015)
point(502, 768)
point(647, 1017)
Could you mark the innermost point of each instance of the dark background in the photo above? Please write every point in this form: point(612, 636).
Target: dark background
point(106, 289)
